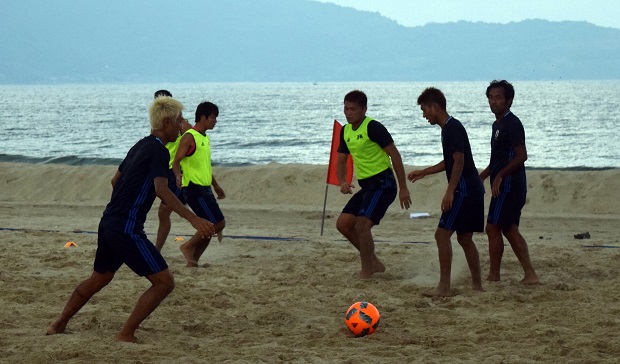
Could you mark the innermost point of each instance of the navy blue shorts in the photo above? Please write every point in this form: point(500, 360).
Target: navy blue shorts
point(172, 185)
point(115, 247)
point(466, 214)
point(376, 195)
point(505, 210)
point(203, 202)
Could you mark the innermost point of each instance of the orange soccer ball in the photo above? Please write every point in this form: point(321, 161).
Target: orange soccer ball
point(362, 318)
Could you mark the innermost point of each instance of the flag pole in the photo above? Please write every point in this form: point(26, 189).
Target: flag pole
point(324, 205)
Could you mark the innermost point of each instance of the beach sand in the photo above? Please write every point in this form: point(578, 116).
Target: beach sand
point(276, 290)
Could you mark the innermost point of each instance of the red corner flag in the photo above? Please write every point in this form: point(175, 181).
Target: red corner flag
point(332, 177)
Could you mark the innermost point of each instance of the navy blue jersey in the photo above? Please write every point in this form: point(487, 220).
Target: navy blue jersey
point(454, 139)
point(508, 133)
point(376, 132)
point(134, 192)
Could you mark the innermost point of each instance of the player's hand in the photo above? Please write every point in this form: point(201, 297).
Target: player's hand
point(415, 175)
point(446, 202)
point(220, 192)
point(496, 187)
point(204, 227)
point(179, 180)
point(405, 198)
point(346, 188)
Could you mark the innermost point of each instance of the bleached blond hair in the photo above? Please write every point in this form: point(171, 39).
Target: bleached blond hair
point(163, 107)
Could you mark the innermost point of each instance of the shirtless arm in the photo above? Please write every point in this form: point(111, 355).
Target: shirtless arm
point(516, 162)
point(399, 169)
point(117, 175)
point(420, 173)
point(457, 171)
point(186, 143)
point(341, 173)
point(217, 188)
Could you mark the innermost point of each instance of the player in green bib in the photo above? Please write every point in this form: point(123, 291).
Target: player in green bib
point(164, 211)
point(374, 155)
point(197, 182)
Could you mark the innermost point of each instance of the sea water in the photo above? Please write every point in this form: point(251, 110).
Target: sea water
point(568, 124)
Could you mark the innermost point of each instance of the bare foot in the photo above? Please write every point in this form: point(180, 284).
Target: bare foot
point(377, 267)
point(127, 338)
point(493, 278)
point(439, 293)
point(477, 287)
point(55, 328)
point(530, 280)
point(188, 254)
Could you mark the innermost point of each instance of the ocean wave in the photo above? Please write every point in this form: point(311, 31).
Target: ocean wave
point(71, 160)
point(87, 161)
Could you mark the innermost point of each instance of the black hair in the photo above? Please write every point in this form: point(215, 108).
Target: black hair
point(509, 91)
point(358, 97)
point(162, 93)
point(432, 95)
point(206, 108)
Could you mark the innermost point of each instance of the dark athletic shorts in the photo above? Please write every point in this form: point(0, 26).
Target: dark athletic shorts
point(115, 247)
point(203, 202)
point(172, 185)
point(505, 210)
point(376, 195)
point(466, 214)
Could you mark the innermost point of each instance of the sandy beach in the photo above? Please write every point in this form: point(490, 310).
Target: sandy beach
point(275, 289)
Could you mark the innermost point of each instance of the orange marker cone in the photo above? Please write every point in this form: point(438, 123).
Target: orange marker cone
point(70, 244)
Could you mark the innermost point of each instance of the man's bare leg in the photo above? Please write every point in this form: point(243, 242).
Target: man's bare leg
point(519, 246)
point(162, 285)
point(370, 263)
point(163, 213)
point(496, 250)
point(347, 225)
point(188, 249)
point(473, 259)
point(81, 294)
point(202, 246)
point(444, 250)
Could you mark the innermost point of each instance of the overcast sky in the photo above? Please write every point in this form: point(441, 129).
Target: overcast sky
point(419, 12)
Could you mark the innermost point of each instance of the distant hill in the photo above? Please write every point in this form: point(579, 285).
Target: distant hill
point(76, 41)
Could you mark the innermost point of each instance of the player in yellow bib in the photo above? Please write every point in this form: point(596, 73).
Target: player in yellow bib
point(164, 211)
point(193, 158)
point(374, 155)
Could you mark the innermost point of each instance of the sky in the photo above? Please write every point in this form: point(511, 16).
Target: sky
point(604, 13)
